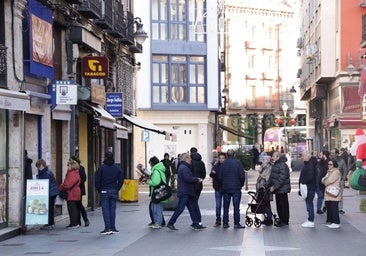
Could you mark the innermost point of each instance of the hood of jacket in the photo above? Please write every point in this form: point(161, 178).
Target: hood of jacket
point(196, 156)
point(159, 167)
point(108, 161)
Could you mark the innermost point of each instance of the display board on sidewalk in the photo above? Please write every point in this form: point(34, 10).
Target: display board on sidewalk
point(36, 204)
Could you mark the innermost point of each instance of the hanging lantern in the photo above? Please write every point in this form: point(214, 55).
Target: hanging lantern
point(292, 121)
point(279, 121)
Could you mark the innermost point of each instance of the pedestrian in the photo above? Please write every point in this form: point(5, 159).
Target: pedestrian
point(263, 195)
point(108, 182)
point(81, 208)
point(28, 174)
point(157, 176)
point(351, 165)
point(321, 169)
point(71, 185)
point(217, 186)
point(332, 178)
point(168, 165)
point(232, 177)
point(186, 193)
point(279, 184)
point(199, 171)
point(45, 173)
point(342, 167)
point(307, 177)
point(255, 154)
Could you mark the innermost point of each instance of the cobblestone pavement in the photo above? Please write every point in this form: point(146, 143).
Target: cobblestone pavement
point(135, 238)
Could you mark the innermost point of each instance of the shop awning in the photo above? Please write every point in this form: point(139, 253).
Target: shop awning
point(14, 100)
point(104, 119)
point(235, 132)
point(149, 126)
point(353, 122)
point(122, 132)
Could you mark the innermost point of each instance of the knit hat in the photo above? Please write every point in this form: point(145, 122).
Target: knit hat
point(359, 132)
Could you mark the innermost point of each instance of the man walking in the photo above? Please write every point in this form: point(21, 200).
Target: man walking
point(185, 193)
point(279, 184)
point(232, 177)
point(108, 181)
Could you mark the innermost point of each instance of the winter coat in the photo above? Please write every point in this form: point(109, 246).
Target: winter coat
point(307, 174)
point(231, 174)
point(48, 174)
point(71, 185)
point(157, 175)
point(216, 184)
point(264, 173)
point(198, 169)
point(280, 177)
point(108, 176)
point(342, 167)
point(186, 181)
point(321, 169)
point(28, 174)
point(333, 177)
point(82, 179)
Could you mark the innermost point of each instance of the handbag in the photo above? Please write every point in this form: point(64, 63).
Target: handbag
point(161, 192)
point(303, 191)
point(362, 180)
point(332, 190)
point(63, 194)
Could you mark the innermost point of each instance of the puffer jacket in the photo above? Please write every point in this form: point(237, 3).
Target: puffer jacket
point(280, 177)
point(307, 175)
point(48, 174)
point(186, 182)
point(231, 174)
point(71, 184)
point(157, 175)
point(198, 169)
point(333, 177)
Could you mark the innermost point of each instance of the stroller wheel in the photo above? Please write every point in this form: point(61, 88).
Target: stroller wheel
point(248, 221)
point(257, 222)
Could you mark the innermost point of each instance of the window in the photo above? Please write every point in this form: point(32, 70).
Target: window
point(178, 79)
point(175, 20)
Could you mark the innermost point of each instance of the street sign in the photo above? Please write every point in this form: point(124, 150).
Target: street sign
point(145, 136)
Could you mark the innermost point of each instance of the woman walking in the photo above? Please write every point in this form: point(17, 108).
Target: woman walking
point(332, 180)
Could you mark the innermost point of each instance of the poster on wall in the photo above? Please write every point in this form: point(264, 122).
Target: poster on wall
point(42, 51)
point(36, 209)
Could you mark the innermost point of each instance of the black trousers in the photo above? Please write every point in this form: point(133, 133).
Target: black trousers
point(51, 210)
point(72, 208)
point(82, 212)
point(283, 208)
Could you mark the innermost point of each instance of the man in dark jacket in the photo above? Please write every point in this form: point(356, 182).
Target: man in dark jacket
point(199, 171)
point(185, 192)
point(108, 182)
point(232, 177)
point(168, 166)
point(279, 184)
point(28, 174)
point(307, 176)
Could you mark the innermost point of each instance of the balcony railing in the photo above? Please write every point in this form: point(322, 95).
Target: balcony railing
point(119, 27)
point(90, 9)
point(74, 1)
point(3, 65)
point(106, 18)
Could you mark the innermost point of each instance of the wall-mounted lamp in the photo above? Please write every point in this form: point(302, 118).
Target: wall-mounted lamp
point(292, 90)
point(225, 96)
point(140, 35)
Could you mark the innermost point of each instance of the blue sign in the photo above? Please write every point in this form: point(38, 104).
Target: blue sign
point(114, 104)
point(145, 136)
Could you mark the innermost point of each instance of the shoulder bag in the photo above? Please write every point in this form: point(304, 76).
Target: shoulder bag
point(161, 192)
point(332, 190)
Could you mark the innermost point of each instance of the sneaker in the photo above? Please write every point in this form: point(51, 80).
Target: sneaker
point(114, 231)
point(106, 232)
point(319, 212)
point(217, 224)
point(73, 226)
point(327, 223)
point(171, 227)
point(341, 212)
point(151, 224)
point(280, 224)
point(237, 226)
point(155, 226)
point(308, 224)
point(225, 225)
point(333, 225)
point(199, 227)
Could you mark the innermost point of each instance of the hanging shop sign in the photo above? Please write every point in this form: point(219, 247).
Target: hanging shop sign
point(95, 67)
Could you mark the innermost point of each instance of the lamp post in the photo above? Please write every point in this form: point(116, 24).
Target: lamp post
point(285, 109)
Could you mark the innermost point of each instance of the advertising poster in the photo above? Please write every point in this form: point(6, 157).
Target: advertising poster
point(36, 208)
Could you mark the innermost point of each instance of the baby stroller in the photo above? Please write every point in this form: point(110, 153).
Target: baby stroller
point(143, 173)
point(260, 204)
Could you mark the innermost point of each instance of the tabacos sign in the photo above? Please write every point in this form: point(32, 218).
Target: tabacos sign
point(95, 67)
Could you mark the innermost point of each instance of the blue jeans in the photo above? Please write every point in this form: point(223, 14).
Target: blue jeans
point(108, 200)
point(218, 199)
point(320, 195)
point(310, 205)
point(236, 195)
point(157, 210)
point(184, 200)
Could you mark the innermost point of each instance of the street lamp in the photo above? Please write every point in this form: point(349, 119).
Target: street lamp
point(140, 35)
point(285, 108)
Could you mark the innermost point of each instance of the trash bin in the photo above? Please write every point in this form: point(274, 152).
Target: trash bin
point(129, 191)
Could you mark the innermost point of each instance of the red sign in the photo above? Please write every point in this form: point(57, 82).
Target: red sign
point(95, 67)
